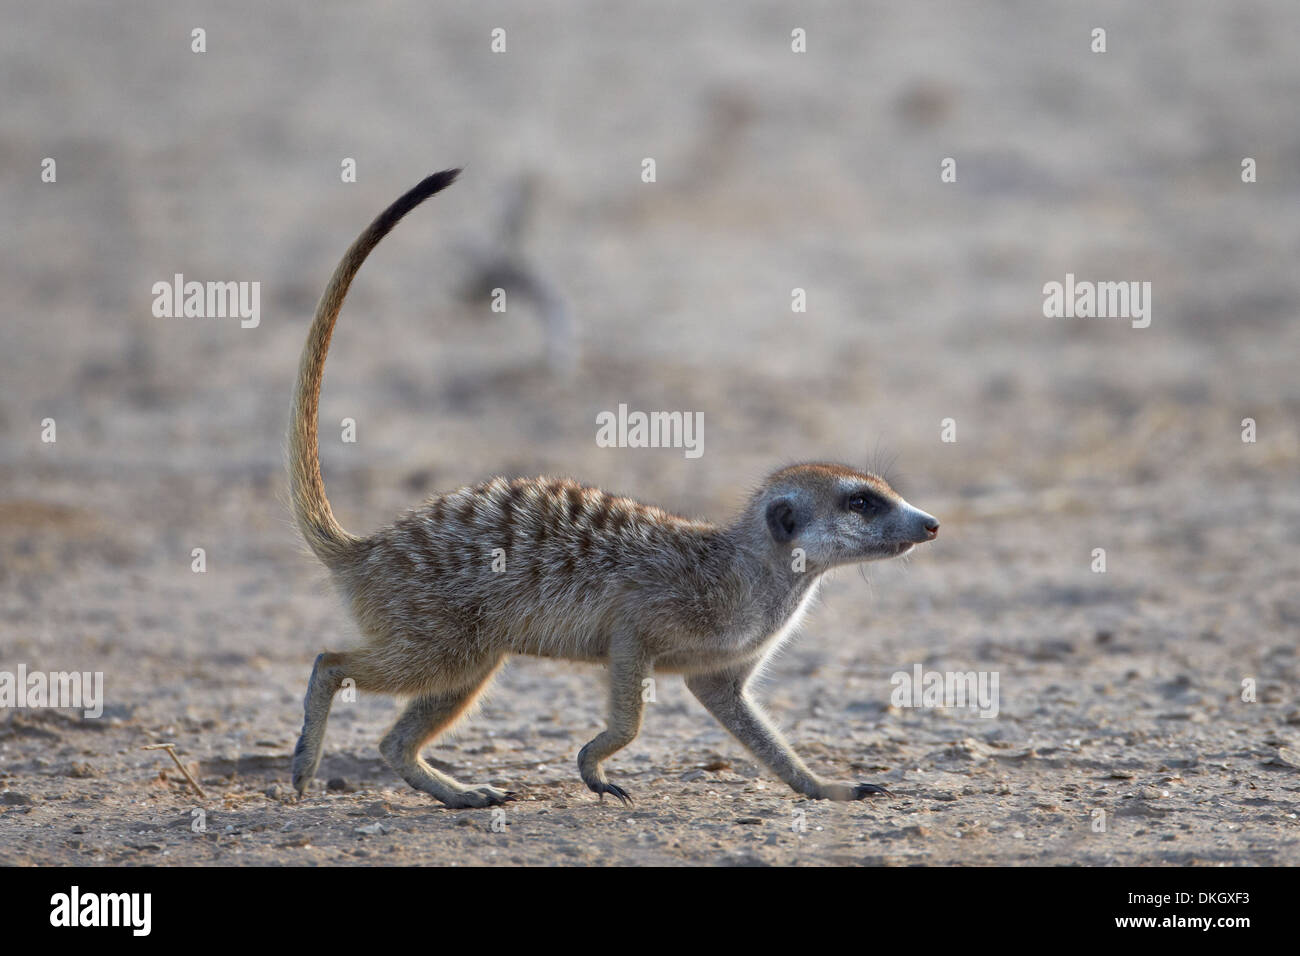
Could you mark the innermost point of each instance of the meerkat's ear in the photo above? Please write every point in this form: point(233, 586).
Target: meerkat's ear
point(786, 517)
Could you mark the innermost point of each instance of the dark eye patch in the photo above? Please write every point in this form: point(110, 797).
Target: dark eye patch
point(865, 502)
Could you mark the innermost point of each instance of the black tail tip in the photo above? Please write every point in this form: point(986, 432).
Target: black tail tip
point(412, 198)
point(437, 182)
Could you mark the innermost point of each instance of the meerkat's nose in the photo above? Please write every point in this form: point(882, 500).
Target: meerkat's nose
point(921, 527)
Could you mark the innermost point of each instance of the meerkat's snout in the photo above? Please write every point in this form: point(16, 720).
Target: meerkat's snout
point(923, 527)
point(911, 527)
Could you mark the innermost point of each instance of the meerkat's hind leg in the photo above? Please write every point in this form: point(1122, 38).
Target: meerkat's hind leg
point(327, 676)
point(424, 718)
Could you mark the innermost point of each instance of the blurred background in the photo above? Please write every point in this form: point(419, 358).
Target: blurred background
point(775, 170)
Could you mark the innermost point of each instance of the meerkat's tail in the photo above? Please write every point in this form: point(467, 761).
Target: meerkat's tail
point(311, 508)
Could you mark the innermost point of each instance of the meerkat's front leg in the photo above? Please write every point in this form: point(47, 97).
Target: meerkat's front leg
point(724, 695)
point(628, 667)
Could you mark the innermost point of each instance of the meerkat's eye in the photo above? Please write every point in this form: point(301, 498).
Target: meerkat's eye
point(864, 504)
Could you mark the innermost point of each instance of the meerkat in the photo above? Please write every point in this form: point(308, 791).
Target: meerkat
point(501, 265)
point(588, 576)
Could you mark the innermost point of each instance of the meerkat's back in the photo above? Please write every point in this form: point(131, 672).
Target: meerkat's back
point(534, 566)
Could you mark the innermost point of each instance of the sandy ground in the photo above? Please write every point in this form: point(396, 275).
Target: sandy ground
point(1120, 693)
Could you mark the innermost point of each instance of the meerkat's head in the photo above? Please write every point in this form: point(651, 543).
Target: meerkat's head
point(838, 515)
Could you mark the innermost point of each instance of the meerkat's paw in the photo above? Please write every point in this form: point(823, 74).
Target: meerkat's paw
point(594, 777)
point(849, 791)
point(864, 790)
point(304, 765)
point(603, 787)
point(475, 797)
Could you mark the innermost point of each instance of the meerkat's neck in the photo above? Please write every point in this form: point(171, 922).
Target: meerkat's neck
point(777, 579)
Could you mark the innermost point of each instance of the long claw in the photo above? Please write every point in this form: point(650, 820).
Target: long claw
point(869, 790)
point(614, 789)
